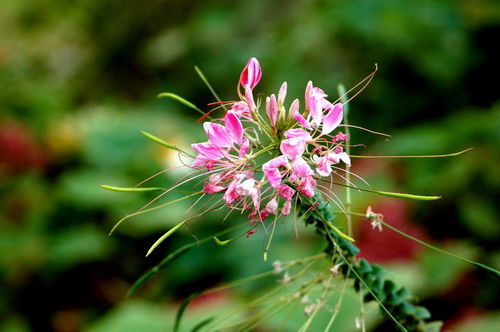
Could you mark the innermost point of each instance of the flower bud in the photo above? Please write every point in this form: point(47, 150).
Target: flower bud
point(272, 110)
point(251, 74)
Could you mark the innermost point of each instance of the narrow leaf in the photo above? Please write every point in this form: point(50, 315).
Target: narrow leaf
point(392, 194)
point(165, 236)
point(163, 143)
point(339, 233)
point(204, 79)
point(221, 243)
point(180, 100)
point(204, 322)
point(173, 256)
point(151, 209)
point(421, 156)
point(182, 307)
point(407, 196)
point(164, 263)
point(128, 190)
point(425, 244)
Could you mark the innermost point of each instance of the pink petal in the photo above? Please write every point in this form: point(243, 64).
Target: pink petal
point(286, 192)
point(301, 168)
point(234, 127)
point(293, 147)
point(272, 206)
point(249, 97)
point(231, 193)
point(298, 133)
point(272, 172)
point(217, 134)
point(251, 74)
point(345, 158)
point(333, 118)
point(208, 150)
point(210, 188)
point(323, 168)
point(307, 186)
point(241, 109)
point(286, 208)
point(245, 146)
point(303, 122)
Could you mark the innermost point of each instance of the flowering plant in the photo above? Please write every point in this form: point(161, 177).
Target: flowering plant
point(269, 158)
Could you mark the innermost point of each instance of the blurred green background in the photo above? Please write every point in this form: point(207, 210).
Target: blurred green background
point(78, 82)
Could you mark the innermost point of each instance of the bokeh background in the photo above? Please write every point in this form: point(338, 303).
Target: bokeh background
point(79, 79)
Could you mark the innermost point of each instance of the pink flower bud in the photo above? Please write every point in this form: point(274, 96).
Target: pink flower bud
point(251, 74)
point(272, 109)
point(282, 94)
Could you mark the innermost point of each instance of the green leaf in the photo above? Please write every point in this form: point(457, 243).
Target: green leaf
point(164, 263)
point(173, 256)
point(392, 194)
point(422, 313)
point(132, 189)
point(180, 100)
point(433, 326)
point(165, 236)
point(221, 243)
point(163, 143)
point(407, 196)
point(204, 322)
point(182, 307)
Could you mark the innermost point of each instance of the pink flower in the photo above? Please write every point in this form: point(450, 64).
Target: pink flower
point(251, 74)
point(315, 102)
point(340, 137)
point(272, 109)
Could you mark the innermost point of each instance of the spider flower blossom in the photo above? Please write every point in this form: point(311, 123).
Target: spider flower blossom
point(262, 163)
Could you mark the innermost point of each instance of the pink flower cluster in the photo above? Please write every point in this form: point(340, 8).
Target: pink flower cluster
point(300, 147)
